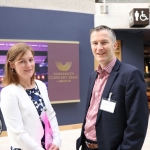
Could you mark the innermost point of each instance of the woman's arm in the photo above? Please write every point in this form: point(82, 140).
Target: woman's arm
point(14, 122)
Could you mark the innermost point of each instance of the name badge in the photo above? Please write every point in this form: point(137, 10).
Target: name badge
point(108, 105)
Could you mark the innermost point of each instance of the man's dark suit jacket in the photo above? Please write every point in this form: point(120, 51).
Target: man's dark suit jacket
point(125, 129)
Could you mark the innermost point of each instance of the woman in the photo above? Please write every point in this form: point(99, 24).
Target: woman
point(23, 99)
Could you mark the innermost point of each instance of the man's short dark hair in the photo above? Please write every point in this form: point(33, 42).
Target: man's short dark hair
point(103, 27)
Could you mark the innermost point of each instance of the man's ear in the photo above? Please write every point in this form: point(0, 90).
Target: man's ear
point(115, 45)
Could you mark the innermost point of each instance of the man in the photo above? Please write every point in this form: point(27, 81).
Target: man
point(116, 116)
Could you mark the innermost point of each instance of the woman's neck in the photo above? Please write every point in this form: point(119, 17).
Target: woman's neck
point(27, 85)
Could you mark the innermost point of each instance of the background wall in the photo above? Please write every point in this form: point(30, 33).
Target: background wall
point(20, 23)
point(132, 48)
point(118, 14)
point(84, 6)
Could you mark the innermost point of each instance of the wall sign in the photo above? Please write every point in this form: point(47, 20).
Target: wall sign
point(63, 72)
point(139, 17)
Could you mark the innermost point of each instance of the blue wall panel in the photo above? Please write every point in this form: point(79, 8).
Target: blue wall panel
point(132, 48)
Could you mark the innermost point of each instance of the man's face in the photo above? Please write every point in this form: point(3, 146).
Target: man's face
point(103, 47)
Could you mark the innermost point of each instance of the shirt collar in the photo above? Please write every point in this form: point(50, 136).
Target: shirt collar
point(107, 68)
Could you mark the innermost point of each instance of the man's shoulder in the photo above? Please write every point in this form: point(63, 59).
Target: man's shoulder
point(127, 67)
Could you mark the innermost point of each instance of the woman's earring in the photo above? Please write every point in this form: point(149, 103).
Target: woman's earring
point(12, 69)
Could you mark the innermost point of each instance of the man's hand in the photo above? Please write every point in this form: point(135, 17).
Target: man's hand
point(54, 147)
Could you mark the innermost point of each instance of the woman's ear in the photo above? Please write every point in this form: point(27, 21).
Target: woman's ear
point(11, 64)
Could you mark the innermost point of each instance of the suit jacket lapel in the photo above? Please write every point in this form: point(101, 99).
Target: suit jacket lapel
point(109, 84)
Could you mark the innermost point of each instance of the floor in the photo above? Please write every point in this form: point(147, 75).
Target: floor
point(69, 140)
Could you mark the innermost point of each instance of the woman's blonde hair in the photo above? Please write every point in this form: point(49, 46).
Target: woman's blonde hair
point(14, 54)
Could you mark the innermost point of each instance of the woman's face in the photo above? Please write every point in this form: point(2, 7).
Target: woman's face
point(25, 66)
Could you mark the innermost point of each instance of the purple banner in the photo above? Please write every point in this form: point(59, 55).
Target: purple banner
point(63, 72)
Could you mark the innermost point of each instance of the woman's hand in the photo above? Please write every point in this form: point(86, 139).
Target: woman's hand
point(54, 147)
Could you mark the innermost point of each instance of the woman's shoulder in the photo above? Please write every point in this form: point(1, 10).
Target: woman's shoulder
point(9, 90)
point(10, 87)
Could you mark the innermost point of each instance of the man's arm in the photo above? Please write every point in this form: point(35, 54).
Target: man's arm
point(136, 106)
